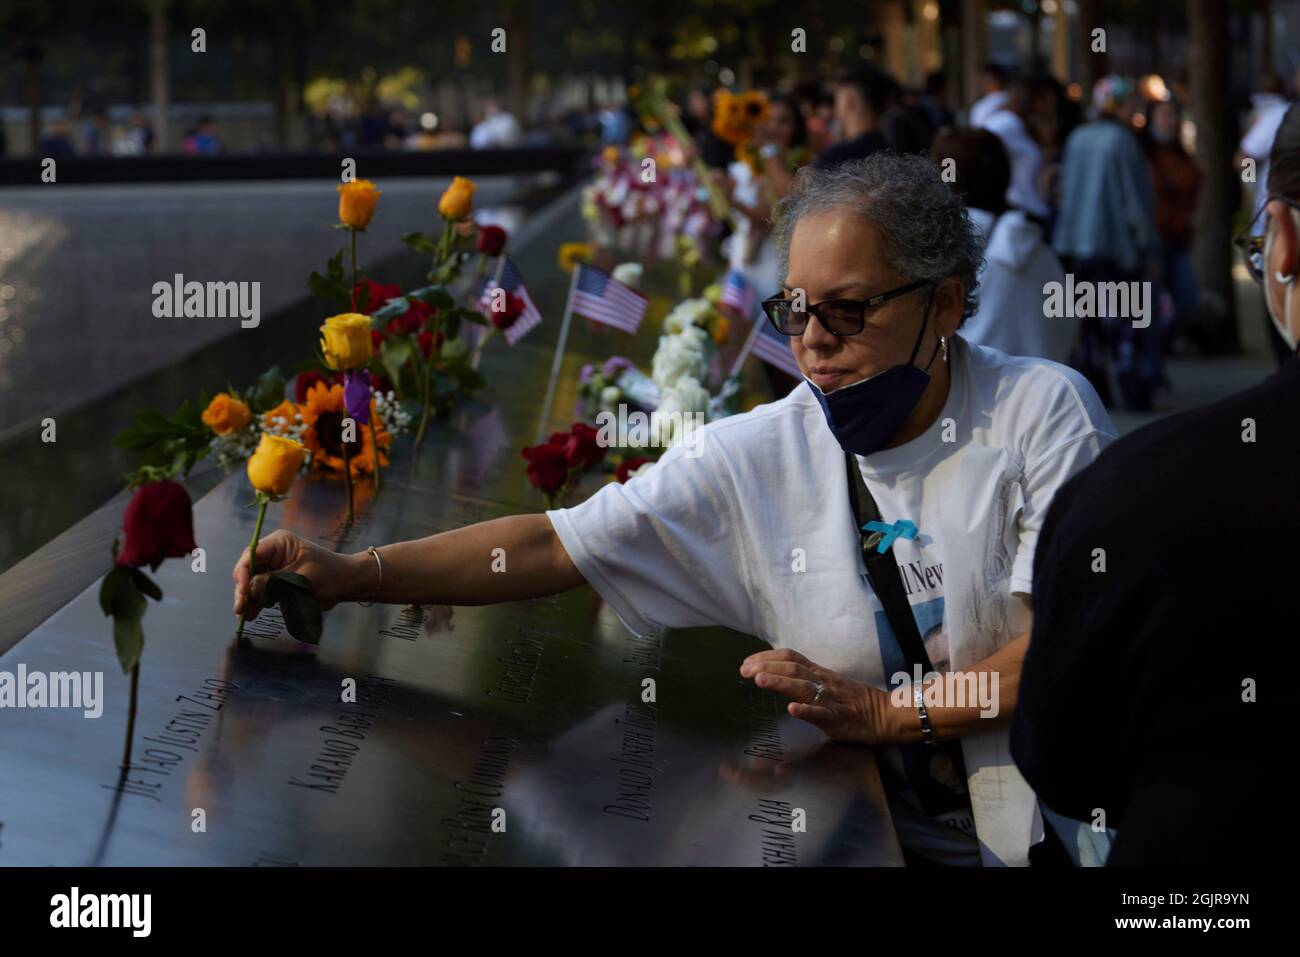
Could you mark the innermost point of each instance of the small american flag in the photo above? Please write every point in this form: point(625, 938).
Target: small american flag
point(774, 348)
point(512, 282)
point(604, 299)
point(738, 293)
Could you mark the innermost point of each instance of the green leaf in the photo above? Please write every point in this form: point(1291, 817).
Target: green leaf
point(269, 390)
point(395, 353)
point(119, 596)
point(293, 578)
point(335, 267)
point(472, 315)
point(391, 309)
point(434, 295)
point(454, 350)
point(419, 242)
point(329, 288)
point(111, 588)
point(146, 585)
point(128, 638)
point(302, 616)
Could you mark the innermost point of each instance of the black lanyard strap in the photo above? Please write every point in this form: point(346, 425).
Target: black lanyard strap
point(882, 571)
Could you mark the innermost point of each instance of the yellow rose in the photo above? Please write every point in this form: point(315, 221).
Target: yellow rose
point(458, 201)
point(226, 414)
point(345, 341)
point(357, 203)
point(573, 253)
point(273, 466)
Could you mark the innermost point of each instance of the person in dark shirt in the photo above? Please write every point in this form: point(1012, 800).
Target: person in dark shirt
point(862, 97)
point(1162, 575)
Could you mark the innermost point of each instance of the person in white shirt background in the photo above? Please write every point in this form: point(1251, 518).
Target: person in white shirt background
point(747, 522)
point(497, 129)
point(1018, 262)
point(993, 94)
point(1007, 121)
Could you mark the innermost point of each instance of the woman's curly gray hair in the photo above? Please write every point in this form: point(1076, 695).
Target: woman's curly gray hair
point(926, 231)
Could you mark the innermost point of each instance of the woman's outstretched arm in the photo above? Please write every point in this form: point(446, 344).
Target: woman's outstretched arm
point(458, 567)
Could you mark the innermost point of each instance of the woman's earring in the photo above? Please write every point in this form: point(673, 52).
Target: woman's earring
point(943, 342)
point(1284, 280)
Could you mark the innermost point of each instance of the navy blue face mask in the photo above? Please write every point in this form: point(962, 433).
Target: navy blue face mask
point(865, 415)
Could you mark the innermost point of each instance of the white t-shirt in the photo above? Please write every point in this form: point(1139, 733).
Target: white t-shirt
point(756, 533)
point(1026, 160)
point(1018, 265)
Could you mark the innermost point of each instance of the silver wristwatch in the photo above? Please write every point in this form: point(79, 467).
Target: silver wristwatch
point(927, 730)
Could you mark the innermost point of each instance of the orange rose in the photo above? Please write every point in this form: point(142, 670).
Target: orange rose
point(357, 203)
point(458, 200)
point(226, 414)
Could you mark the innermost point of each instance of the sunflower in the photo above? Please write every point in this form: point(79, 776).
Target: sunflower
point(571, 254)
point(322, 415)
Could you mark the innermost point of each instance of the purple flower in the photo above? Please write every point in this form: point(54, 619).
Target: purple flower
point(614, 366)
point(585, 375)
point(356, 395)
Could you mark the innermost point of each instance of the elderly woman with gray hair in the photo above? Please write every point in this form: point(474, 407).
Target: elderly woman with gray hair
point(896, 494)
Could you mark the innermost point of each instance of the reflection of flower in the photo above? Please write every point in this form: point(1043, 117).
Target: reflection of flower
point(357, 203)
point(158, 523)
point(323, 417)
point(226, 414)
point(272, 468)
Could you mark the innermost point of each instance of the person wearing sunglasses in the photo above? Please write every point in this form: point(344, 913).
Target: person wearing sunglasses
point(896, 493)
point(1196, 522)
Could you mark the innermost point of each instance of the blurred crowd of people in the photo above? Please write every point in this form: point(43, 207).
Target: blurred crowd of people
point(1104, 190)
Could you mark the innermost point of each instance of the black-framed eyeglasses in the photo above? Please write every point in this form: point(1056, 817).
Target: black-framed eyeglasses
point(839, 317)
point(1252, 246)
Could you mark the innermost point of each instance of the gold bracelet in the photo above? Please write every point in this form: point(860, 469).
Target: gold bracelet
point(380, 587)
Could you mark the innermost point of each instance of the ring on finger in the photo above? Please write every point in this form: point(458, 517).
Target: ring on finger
point(819, 689)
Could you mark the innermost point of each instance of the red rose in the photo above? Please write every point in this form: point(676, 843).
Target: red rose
point(491, 240)
point(548, 469)
point(370, 295)
point(431, 342)
point(582, 451)
point(158, 523)
point(302, 385)
point(629, 465)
